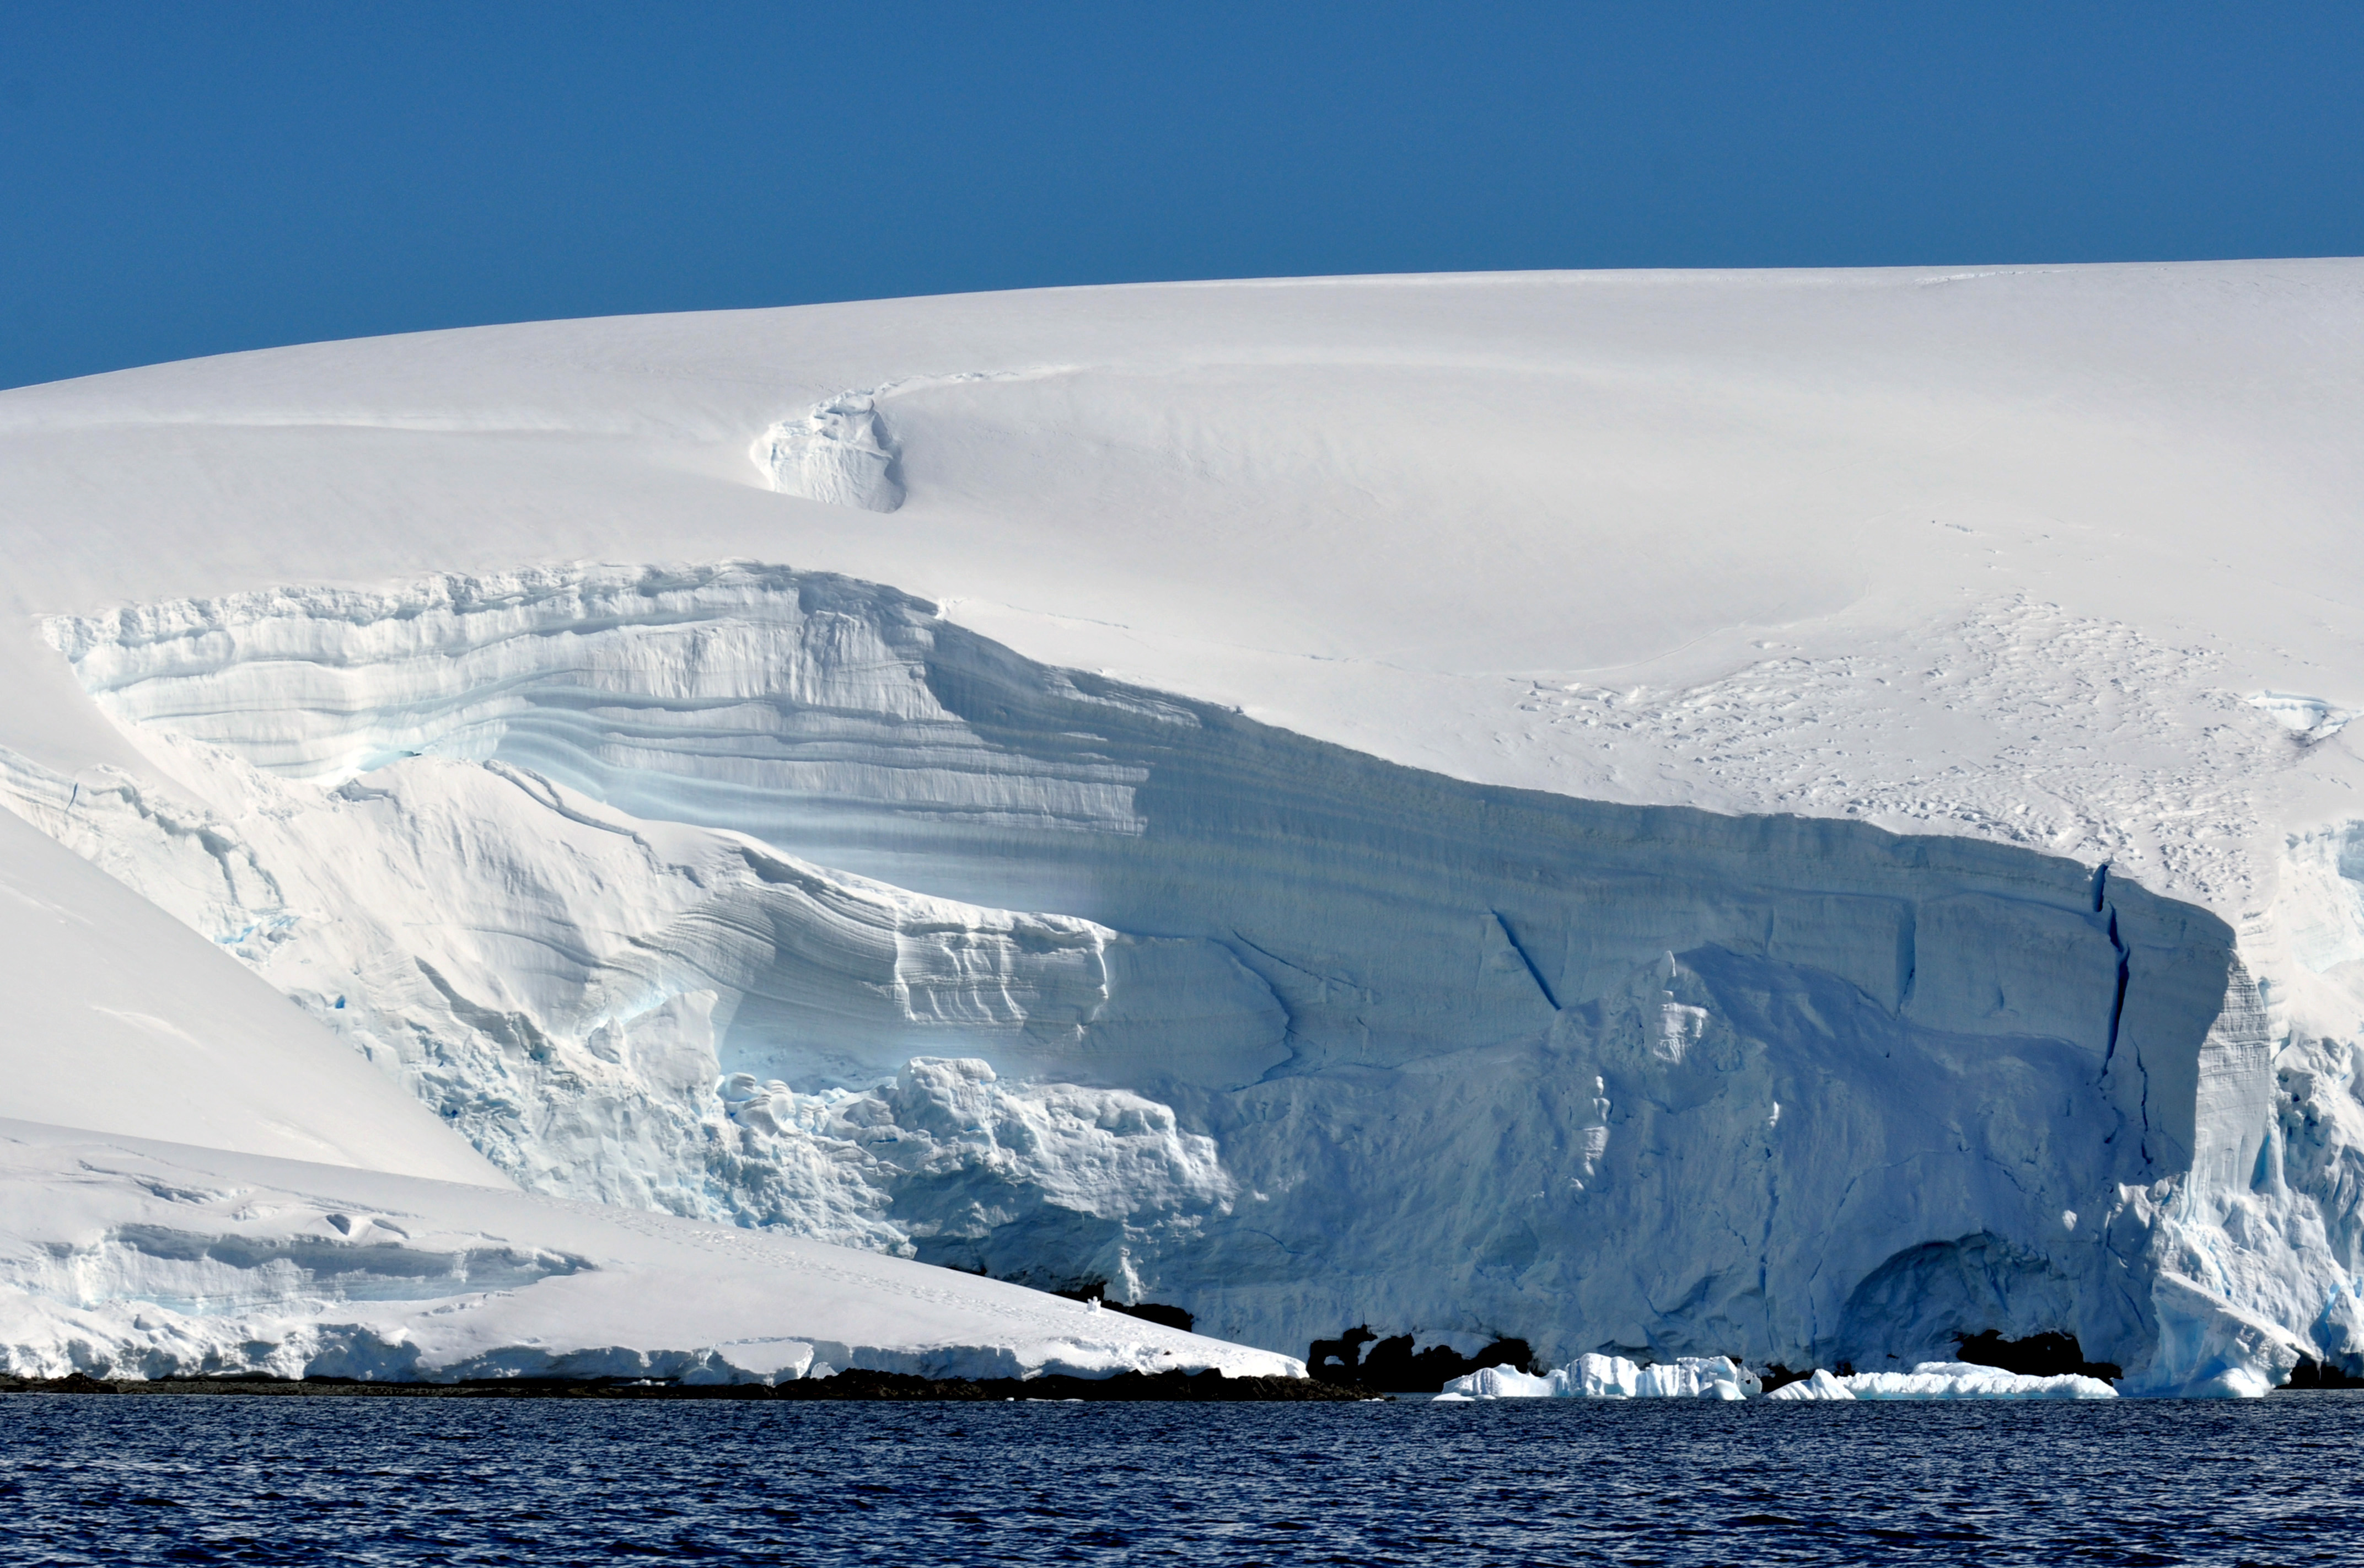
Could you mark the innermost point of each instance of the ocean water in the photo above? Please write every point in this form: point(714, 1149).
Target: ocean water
point(181, 1480)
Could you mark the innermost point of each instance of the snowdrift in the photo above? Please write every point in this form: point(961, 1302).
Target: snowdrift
point(1745, 816)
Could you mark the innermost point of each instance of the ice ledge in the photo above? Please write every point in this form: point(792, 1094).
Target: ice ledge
point(125, 1258)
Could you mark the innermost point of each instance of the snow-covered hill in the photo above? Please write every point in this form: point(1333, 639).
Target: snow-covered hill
point(1796, 816)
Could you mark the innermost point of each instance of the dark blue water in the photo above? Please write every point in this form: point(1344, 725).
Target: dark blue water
point(413, 1481)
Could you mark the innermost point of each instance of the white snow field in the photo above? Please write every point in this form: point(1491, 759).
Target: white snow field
point(1796, 817)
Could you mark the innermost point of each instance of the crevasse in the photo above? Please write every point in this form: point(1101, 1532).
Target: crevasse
point(747, 893)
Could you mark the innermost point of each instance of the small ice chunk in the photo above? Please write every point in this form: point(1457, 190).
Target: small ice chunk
point(2238, 1382)
point(1601, 1377)
point(840, 452)
point(1821, 1386)
point(1505, 1382)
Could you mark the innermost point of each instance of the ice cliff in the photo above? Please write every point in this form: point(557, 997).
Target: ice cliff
point(772, 896)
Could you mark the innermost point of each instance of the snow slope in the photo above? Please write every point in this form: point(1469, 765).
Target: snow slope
point(117, 1013)
point(129, 1258)
point(1092, 918)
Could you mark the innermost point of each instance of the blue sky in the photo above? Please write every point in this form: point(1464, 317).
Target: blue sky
point(193, 178)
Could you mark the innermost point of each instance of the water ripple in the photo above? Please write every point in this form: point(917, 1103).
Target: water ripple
point(396, 1481)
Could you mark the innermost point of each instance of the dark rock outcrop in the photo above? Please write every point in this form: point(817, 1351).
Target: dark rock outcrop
point(2038, 1355)
point(1391, 1364)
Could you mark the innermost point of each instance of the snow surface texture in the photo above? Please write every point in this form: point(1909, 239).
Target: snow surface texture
point(2058, 560)
point(127, 1259)
point(555, 847)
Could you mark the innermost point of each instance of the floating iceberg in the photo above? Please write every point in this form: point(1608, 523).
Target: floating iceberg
point(1963, 1380)
point(1596, 1377)
point(1821, 1384)
point(1717, 1378)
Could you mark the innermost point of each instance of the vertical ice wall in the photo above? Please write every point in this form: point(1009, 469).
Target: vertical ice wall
point(1298, 1038)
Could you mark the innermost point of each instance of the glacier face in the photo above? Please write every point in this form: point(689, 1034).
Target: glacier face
point(772, 896)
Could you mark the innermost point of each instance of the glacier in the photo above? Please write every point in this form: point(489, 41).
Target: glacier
point(1736, 815)
point(769, 898)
